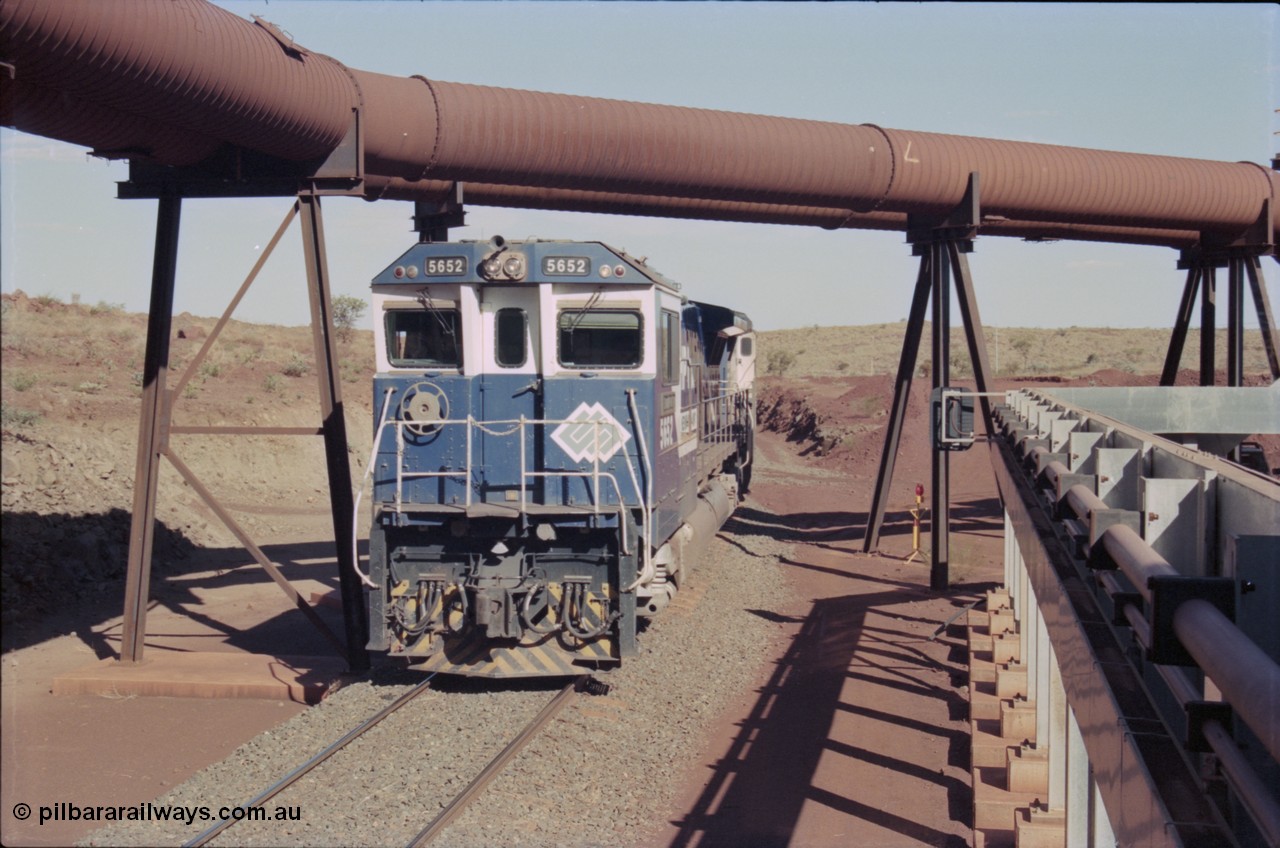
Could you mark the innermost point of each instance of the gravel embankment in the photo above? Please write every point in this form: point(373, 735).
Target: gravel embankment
point(605, 772)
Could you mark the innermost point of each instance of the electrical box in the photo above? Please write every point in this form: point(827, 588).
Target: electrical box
point(951, 412)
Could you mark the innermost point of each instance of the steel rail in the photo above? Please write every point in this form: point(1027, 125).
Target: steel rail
point(302, 770)
point(485, 777)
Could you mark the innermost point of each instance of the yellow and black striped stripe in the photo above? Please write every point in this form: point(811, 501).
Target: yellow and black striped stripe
point(478, 656)
point(474, 654)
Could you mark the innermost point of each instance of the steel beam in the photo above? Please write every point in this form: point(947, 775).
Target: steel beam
point(975, 336)
point(152, 430)
point(333, 422)
point(940, 369)
point(1266, 322)
point(1178, 340)
point(1208, 323)
point(898, 409)
point(1235, 321)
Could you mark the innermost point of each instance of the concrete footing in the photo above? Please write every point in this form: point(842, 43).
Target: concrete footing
point(183, 674)
point(1009, 772)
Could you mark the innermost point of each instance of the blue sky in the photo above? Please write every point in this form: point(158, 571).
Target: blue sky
point(1185, 80)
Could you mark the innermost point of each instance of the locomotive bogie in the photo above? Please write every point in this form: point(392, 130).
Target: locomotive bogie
point(559, 432)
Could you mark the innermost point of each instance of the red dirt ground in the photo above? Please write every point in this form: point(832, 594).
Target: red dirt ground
point(855, 734)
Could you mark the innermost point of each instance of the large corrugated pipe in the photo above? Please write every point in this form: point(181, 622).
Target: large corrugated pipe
point(189, 65)
point(168, 79)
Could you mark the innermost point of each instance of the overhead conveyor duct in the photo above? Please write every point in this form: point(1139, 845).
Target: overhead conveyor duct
point(181, 82)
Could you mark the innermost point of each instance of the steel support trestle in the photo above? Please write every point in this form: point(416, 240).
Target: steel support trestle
point(1242, 263)
point(334, 425)
point(152, 422)
point(941, 246)
point(155, 429)
point(940, 370)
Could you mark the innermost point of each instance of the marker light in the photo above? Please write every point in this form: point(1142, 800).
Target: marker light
point(619, 270)
point(606, 271)
point(398, 273)
point(412, 271)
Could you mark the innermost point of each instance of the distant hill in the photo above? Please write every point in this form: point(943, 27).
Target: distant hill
point(1011, 351)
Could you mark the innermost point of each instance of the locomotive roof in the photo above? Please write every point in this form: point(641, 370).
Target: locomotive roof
point(544, 261)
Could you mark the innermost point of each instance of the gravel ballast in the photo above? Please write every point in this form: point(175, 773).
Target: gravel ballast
point(604, 772)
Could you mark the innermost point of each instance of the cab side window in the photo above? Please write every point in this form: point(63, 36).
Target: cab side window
point(600, 338)
point(669, 342)
point(510, 325)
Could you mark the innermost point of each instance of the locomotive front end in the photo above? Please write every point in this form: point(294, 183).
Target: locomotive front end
point(542, 441)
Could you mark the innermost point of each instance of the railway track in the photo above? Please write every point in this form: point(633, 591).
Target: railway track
point(567, 787)
point(466, 796)
point(579, 685)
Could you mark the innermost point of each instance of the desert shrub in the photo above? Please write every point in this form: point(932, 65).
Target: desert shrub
point(22, 382)
point(104, 308)
point(90, 388)
point(352, 371)
point(47, 299)
point(11, 416)
point(271, 384)
point(779, 362)
point(346, 312)
point(297, 366)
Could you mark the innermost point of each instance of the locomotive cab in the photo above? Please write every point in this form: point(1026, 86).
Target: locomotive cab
point(549, 420)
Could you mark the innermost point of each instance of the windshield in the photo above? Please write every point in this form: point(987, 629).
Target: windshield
point(424, 339)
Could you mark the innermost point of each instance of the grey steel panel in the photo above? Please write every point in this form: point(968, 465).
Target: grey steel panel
point(1080, 445)
point(1183, 409)
point(1060, 430)
point(1121, 729)
point(1173, 522)
point(1119, 470)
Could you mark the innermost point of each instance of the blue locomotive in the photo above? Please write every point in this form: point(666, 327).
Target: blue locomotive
point(559, 433)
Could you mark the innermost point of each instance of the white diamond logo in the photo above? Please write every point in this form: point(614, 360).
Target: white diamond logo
point(590, 434)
